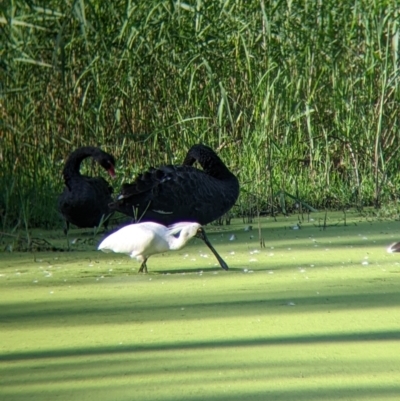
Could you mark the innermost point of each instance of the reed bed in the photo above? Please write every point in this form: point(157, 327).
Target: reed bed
point(301, 99)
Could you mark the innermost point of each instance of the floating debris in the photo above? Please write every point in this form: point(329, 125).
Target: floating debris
point(254, 251)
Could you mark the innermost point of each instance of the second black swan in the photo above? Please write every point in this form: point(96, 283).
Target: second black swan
point(84, 201)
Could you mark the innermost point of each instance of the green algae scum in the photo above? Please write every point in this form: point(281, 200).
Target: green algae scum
point(313, 315)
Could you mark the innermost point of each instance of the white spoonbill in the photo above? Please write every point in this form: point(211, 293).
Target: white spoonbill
point(142, 240)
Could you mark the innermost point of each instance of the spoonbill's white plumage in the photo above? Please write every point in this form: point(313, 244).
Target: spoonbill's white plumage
point(142, 240)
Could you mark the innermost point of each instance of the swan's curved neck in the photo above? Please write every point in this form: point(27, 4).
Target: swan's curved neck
point(208, 160)
point(73, 164)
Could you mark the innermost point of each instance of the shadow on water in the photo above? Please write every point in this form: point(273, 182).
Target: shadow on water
point(123, 392)
point(193, 366)
point(168, 308)
point(192, 373)
point(393, 335)
point(195, 270)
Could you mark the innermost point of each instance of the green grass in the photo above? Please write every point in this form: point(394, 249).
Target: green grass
point(313, 316)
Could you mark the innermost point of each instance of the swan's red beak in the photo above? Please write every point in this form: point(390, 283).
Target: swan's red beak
point(111, 171)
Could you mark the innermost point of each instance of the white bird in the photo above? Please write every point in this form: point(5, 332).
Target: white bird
point(394, 247)
point(142, 240)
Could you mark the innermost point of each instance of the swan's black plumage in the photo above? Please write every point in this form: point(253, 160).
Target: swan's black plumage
point(171, 194)
point(84, 201)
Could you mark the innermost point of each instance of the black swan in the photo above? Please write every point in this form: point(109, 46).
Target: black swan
point(171, 194)
point(142, 240)
point(84, 201)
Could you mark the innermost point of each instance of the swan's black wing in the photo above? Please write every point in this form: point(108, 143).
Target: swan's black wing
point(171, 194)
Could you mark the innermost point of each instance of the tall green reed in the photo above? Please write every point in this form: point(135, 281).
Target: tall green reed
point(298, 98)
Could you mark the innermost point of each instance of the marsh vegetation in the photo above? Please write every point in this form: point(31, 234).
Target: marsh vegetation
point(300, 98)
